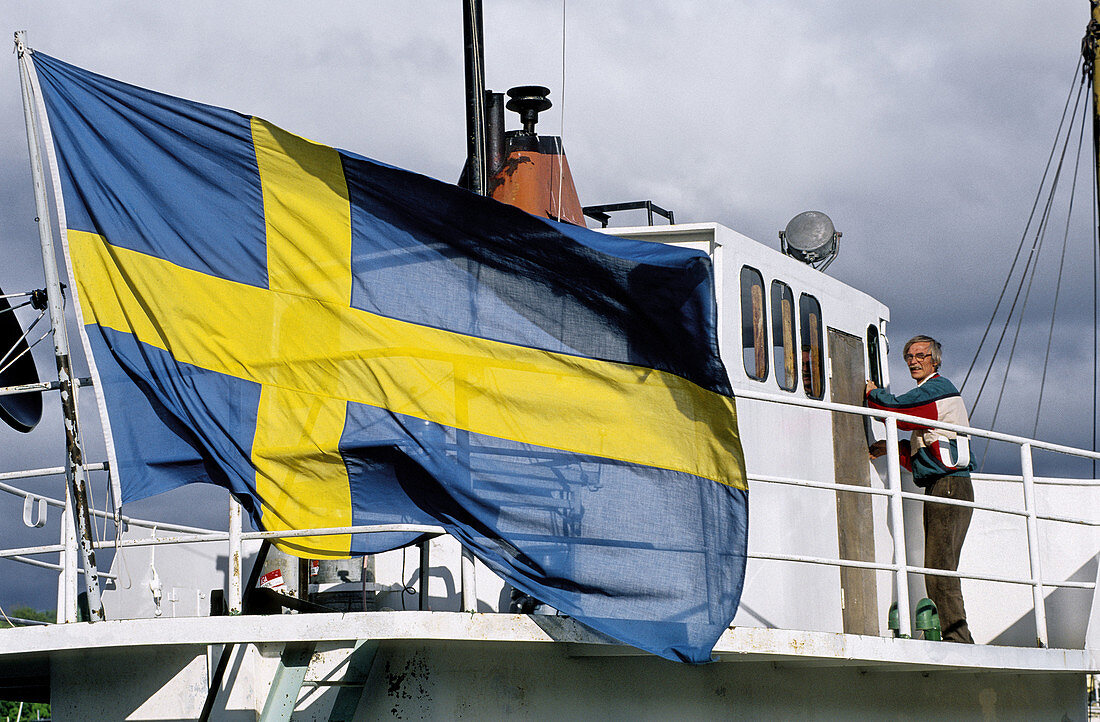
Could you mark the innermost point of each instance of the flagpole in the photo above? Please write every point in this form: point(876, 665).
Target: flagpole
point(475, 96)
point(478, 182)
point(74, 467)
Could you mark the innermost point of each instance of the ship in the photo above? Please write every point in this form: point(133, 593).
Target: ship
point(208, 623)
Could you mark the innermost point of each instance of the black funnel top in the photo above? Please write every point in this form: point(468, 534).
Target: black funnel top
point(529, 101)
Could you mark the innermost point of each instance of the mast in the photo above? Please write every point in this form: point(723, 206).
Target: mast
point(1090, 52)
point(477, 179)
point(74, 468)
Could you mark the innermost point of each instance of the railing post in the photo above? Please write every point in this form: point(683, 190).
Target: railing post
point(234, 600)
point(897, 520)
point(1033, 545)
point(469, 585)
point(67, 591)
point(422, 604)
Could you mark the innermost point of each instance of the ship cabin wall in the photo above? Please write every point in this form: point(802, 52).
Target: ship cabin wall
point(792, 442)
point(768, 302)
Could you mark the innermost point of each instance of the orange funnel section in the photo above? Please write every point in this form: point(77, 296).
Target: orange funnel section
point(535, 177)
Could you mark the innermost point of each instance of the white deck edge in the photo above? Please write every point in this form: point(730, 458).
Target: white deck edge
point(740, 644)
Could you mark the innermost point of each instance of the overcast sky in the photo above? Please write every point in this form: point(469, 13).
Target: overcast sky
point(922, 129)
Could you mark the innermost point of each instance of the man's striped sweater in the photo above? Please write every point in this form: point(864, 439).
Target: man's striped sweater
point(932, 453)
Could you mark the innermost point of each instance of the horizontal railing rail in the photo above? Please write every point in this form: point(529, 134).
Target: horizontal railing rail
point(1039, 480)
point(259, 535)
point(919, 420)
point(99, 514)
point(912, 496)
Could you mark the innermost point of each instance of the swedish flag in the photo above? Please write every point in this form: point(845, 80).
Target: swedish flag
point(339, 342)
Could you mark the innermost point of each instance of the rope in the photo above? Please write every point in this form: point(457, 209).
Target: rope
point(11, 309)
point(1032, 258)
point(1023, 237)
point(561, 126)
point(1061, 266)
point(1037, 249)
point(1028, 275)
point(1095, 294)
point(8, 363)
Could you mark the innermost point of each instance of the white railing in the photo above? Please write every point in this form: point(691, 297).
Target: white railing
point(899, 566)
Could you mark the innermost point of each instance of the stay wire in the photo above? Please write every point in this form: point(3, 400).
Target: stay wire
point(1061, 267)
point(1095, 289)
point(1078, 73)
point(1012, 350)
point(561, 126)
point(1036, 250)
point(1040, 231)
point(8, 360)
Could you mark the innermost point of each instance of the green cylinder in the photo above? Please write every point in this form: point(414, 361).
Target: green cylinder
point(928, 619)
point(893, 621)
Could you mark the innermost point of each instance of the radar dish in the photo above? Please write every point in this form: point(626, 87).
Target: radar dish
point(811, 238)
point(22, 411)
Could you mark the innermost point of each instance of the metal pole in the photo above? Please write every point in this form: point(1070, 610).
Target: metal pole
point(475, 95)
point(74, 471)
point(1091, 52)
point(423, 576)
point(469, 583)
point(897, 520)
point(478, 178)
point(66, 596)
point(234, 557)
point(1033, 546)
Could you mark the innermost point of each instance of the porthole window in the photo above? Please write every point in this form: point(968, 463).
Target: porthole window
point(784, 358)
point(754, 324)
point(813, 356)
point(874, 359)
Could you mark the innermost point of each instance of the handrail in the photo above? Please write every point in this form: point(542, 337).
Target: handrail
point(222, 536)
point(884, 567)
point(912, 496)
point(1039, 480)
point(921, 421)
point(59, 503)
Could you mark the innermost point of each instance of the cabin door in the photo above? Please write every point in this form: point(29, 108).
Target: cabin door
point(855, 524)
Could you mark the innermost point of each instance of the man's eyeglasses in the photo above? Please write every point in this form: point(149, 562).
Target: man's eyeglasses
point(916, 356)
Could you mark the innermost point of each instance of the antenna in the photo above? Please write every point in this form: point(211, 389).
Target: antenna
point(21, 411)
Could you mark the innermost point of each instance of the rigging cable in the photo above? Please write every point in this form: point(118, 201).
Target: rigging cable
point(1032, 257)
point(1028, 274)
point(1096, 292)
point(1088, 55)
point(1061, 266)
point(1027, 226)
point(561, 117)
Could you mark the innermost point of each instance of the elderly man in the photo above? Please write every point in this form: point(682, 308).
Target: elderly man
point(941, 465)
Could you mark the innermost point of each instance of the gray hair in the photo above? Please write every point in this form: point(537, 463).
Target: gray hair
point(937, 350)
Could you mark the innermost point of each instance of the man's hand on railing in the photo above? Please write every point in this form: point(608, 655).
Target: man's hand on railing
point(878, 448)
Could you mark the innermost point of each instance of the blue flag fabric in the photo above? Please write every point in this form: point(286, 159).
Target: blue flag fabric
point(339, 342)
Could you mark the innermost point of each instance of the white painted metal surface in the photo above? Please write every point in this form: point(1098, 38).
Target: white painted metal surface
point(433, 665)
